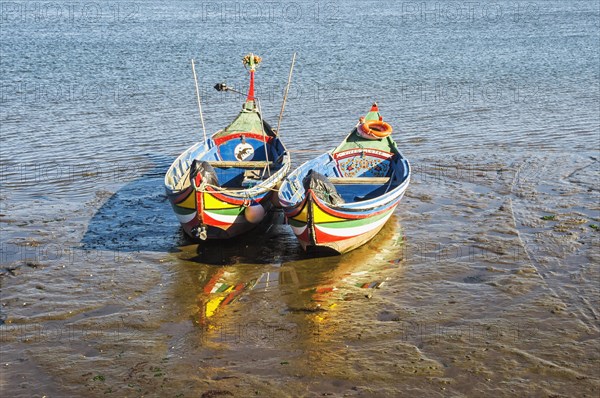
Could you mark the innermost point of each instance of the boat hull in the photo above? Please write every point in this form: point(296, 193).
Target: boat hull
point(320, 227)
point(341, 199)
point(219, 215)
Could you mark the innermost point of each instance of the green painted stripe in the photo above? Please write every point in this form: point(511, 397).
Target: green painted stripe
point(222, 288)
point(235, 211)
point(183, 211)
point(355, 223)
point(296, 223)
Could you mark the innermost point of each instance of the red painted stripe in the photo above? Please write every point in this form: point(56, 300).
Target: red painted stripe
point(354, 152)
point(251, 89)
point(182, 195)
point(322, 237)
point(220, 140)
point(199, 201)
point(237, 290)
point(208, 220)
point(296, 210)
point(304, 236)
point(213, 281)
point(349, 216)
point(325, 289)
point(228, 199)
point(224, 198)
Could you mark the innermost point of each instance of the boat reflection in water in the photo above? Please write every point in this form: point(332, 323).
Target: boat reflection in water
point(275, 291)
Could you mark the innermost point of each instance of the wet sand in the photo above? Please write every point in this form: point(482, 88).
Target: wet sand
point(485, 282)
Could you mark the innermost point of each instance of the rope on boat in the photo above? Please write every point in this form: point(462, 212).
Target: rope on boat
point(199, 102)
point(287, 89)
point(229, 191)
point(305, 150)
point(296, 189)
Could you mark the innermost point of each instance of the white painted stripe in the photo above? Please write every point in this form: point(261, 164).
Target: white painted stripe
point(298, 230)
point(185, 218)
point(225, 218)
point(216, 287)
point(354, 231)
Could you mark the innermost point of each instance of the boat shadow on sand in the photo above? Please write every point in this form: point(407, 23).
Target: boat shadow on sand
point(136, 217)
point(139, 218)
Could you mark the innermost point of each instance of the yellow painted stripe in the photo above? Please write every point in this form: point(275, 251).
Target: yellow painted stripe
point(212, 305)
point(320, 216)
point(303, 215)
point(189, 202)
point(210, 202)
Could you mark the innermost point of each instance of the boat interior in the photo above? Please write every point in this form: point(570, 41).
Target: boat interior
point(362, 178)
point(355, 178)
point(262, 157)
point(354, 190)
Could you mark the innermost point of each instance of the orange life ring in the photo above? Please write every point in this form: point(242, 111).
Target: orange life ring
point(375, 128)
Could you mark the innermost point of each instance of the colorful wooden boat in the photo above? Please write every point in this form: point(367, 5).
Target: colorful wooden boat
point(223, 186)
point(341, 199)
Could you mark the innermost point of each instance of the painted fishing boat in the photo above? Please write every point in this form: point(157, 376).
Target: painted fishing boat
point(223, 186)
point(341, 199)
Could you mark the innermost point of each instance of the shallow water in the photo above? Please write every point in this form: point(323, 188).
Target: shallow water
point(485, 281)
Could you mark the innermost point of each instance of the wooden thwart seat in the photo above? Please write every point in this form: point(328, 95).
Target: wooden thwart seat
point(241, 164)
point(359, 180)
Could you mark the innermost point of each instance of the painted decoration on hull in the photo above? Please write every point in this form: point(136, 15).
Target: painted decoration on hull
point(363, 162)
point(331, 226)
point(243, 151)
point(218, 210)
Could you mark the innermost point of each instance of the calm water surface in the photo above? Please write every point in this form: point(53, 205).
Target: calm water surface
point(485, 281)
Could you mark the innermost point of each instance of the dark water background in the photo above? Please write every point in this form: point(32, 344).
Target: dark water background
point(496, 105)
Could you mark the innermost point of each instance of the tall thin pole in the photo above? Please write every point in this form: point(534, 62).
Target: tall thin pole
point(287, 89)
point(198, 98)
point(262, 125)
